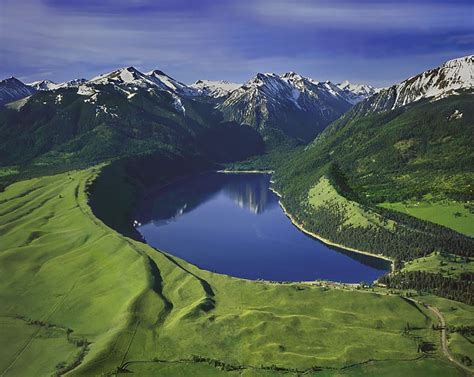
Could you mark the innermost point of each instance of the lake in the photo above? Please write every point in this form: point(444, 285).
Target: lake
point(232, 224)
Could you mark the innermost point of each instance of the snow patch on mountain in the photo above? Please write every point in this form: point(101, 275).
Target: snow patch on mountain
point(103, 109)
point(178, 104)
point(455, 115)
point(85, 90)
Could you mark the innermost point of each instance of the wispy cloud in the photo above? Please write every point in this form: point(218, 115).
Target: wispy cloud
point(366, 15)
point(38, 35)
point(232, 39)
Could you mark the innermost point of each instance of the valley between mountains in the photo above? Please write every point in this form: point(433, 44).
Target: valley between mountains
point(385, 171)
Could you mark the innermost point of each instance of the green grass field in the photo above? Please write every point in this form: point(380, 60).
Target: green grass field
point(324, 194)
point(425, 367)
point(456, 314)
point(449, 265)
point(65, 276)
point(451, 214)
point(461, 345)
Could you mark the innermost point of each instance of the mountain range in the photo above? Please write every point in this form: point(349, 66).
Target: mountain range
point(127, 112)
point(290, 105)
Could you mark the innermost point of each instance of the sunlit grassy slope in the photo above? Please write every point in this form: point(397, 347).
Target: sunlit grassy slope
point(449, 213)
point(75, 295)
point(448, 264)
point(324, 194)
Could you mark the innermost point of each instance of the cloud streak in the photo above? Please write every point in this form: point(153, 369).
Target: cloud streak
point(365, 15)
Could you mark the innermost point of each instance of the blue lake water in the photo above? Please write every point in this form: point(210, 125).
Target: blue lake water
point(232, 224)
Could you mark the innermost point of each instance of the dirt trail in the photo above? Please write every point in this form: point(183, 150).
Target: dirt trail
point(444, 342)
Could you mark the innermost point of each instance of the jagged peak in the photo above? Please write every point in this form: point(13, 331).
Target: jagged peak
point(46, 81)
point(290, 74)
point(124, 74)
point(11, 79)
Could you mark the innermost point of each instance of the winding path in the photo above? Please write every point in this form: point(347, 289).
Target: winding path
point(444, 342)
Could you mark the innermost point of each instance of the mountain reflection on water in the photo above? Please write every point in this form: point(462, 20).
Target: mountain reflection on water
point(251, 193)
point(248, 191)
point(232, 224)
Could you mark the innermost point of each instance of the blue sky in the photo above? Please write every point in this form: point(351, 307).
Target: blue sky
point(378, 42)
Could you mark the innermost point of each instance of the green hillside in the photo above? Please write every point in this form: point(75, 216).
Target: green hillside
point(414, 154)
point(397, 155)
point(64, 128)
point(77, 296)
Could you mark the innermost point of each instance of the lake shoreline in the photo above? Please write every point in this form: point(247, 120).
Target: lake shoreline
point(325, 240)
point(302, 228)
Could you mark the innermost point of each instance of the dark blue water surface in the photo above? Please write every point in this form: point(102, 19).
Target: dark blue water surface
point(232, 224)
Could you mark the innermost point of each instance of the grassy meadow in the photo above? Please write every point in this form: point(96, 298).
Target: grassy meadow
point(449, 265)
point(80, 298)
point(356, 215)
point(452, 214)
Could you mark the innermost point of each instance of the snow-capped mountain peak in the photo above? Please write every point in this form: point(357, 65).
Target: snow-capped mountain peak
point(129, 78)
point(451, 78)
point(123, 76)
point(356, 92)
point(357, 88)
point(43, 85)
point(268, 98)
point(214, 89)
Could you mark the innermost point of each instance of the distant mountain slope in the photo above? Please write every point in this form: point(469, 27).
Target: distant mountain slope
point(13, 89)
point(289, 104)
point(282, 109)
point(121, 113)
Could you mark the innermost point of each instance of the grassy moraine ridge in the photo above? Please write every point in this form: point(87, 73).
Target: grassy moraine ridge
point(63, 268)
